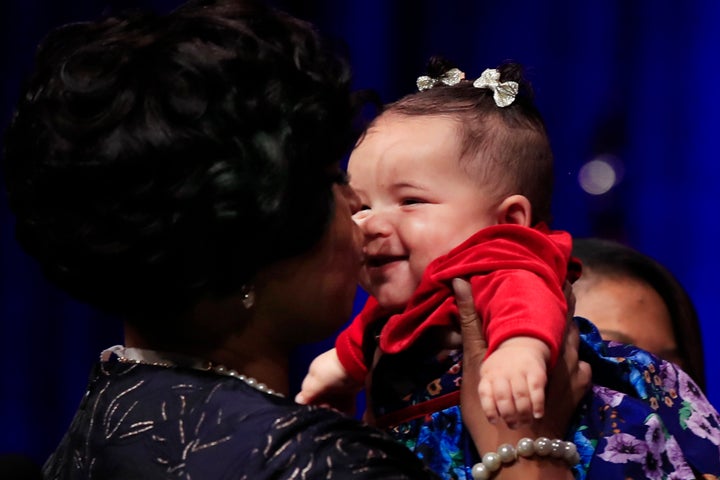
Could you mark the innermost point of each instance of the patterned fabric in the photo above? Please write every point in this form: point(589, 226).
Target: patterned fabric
point(142, 421)
point(644, 418)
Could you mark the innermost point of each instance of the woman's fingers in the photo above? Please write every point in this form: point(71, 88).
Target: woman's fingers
point(474, 343)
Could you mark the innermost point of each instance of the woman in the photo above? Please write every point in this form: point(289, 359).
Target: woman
point(647, 418)
point(633, 299)
point(183, 171)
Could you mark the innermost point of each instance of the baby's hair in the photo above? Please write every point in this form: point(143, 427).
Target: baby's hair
point(511, 141)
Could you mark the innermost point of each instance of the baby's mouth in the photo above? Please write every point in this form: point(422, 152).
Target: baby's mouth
point(382, 260)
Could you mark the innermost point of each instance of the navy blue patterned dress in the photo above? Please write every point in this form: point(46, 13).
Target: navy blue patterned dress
point(143, 421)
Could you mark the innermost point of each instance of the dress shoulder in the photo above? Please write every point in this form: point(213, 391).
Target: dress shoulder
point(324, 443)
point(143, 421)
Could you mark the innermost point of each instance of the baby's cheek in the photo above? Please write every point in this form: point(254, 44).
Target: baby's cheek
point(418, 265)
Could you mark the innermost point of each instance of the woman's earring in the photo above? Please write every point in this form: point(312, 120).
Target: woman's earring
point(248, 296)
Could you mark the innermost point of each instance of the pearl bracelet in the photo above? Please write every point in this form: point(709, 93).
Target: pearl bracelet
point(526, 447)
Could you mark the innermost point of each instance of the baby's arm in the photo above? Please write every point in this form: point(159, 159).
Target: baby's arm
point(517, 275)
point(513, 379)
point(329, 384)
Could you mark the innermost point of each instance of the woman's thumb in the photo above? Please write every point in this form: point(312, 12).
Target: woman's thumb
point(474, 344)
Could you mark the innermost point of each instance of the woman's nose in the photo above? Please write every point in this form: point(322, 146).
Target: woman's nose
point(353, 200)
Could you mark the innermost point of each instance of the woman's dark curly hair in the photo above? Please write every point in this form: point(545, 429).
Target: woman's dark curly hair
point(156, 160)
point(506, 148)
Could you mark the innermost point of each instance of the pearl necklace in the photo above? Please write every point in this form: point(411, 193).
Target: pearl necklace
point(141, 356)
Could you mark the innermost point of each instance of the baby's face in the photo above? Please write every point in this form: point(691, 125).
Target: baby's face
point(418, 201)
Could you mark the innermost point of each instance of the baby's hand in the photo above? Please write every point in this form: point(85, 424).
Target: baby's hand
point(329, 384)
point(513, 379)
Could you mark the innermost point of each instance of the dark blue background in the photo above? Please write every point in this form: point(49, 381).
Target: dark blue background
point(633, 79)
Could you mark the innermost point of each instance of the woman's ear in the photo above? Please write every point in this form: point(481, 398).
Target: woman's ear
point(516, 210)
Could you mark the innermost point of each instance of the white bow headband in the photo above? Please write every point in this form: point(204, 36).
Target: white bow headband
point(504, 93)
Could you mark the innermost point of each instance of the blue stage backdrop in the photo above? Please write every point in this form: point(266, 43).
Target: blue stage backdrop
point(628, 89)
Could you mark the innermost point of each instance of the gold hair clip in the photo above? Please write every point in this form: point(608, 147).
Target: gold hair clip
point(450, 78)
point(503, 92)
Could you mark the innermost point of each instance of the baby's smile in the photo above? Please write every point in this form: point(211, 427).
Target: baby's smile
point(382, 260)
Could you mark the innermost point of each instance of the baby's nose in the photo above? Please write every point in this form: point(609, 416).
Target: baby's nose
point(374, 223)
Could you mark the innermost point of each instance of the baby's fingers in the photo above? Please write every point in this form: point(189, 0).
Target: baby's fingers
point(504, 401)
point(537, 399)
point(523, 403)
point(312, 388)
point(308, 391)
point(487, 400)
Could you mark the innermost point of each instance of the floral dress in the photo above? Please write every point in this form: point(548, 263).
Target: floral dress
point(644, 417)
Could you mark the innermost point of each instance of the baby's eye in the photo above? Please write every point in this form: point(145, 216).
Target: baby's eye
point(411, 201)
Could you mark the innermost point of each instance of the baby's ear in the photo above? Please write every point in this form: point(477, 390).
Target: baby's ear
point(515, 209)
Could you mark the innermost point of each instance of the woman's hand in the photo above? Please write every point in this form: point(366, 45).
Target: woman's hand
point(568, 375)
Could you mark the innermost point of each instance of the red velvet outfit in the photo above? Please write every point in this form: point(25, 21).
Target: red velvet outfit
point(517, 274)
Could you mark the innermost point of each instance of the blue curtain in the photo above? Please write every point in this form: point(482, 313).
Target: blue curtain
point(632, 83)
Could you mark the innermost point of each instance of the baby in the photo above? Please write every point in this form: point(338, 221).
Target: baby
point(455, 181)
